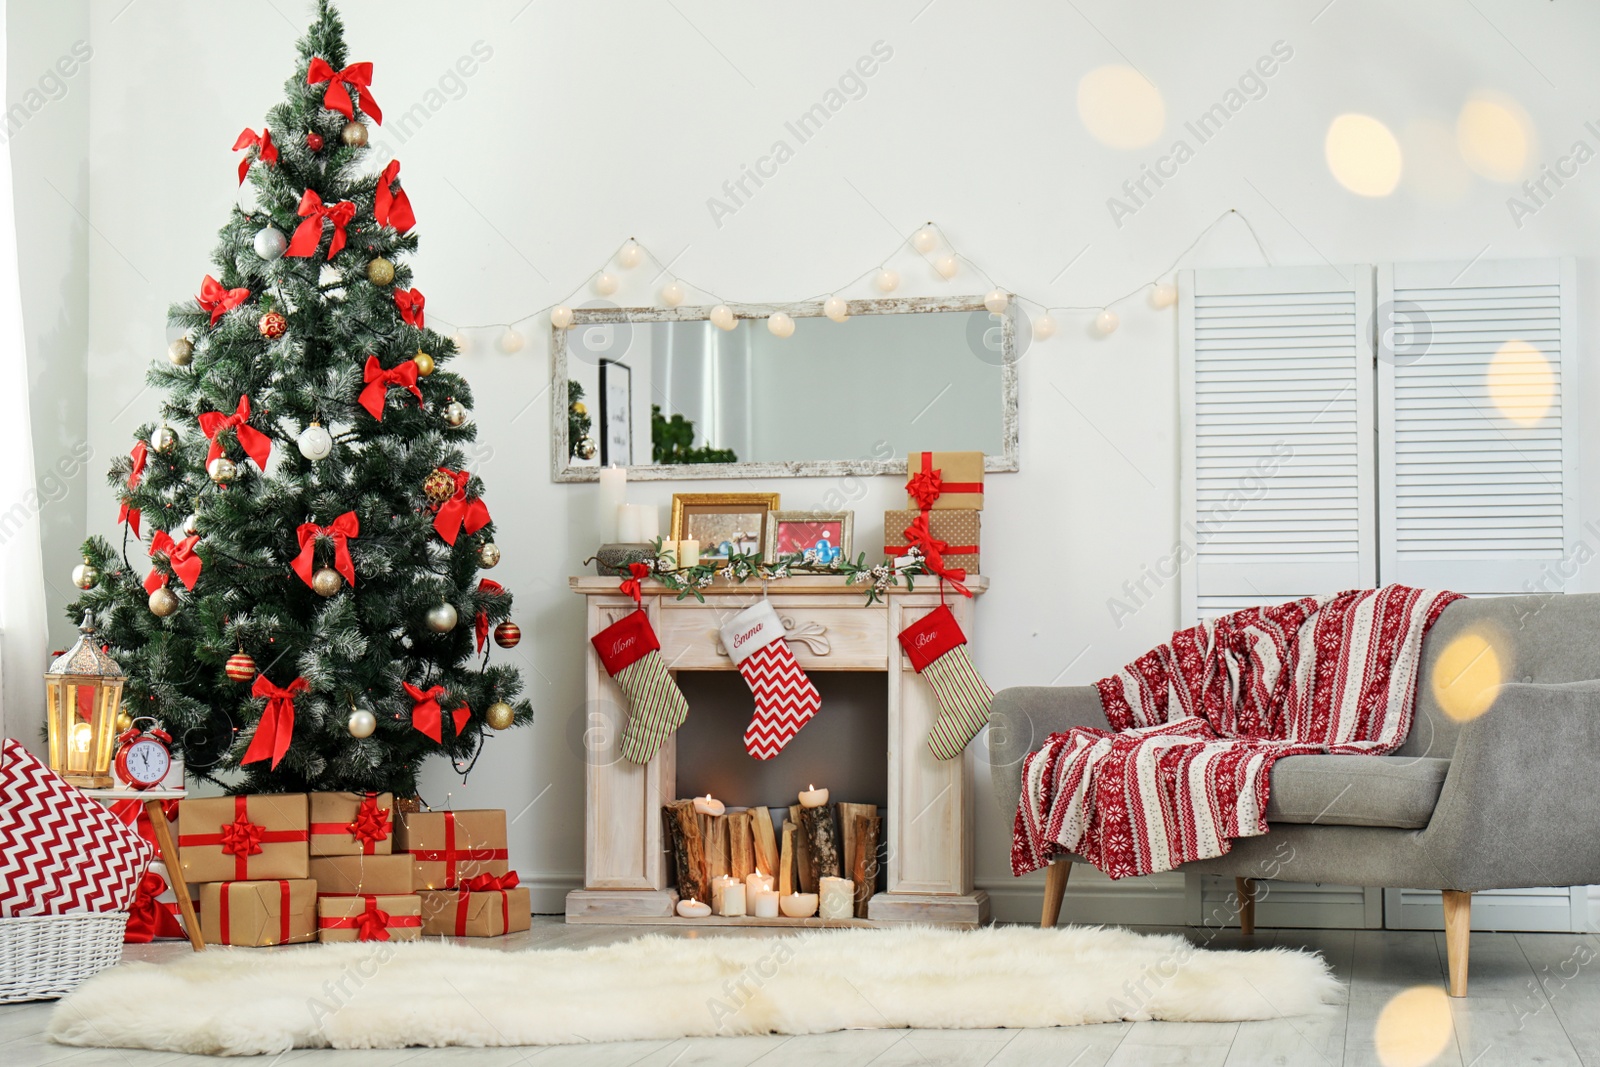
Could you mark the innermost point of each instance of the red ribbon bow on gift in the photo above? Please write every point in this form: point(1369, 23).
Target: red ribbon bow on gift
point(458, 512)
point(127, 512)
point(925, 487)
point(630, 585)
point(217, 300)
point(340, 530)
point(425, 711)
point(489, 883)
point(276, 728)
point(148, 918)
point(486, 587)
point(267, 152)
point(379, 380)
point(180, 556)
point(309, 233)
point(241, 837)
point(257, 445)
point(919, 536)
point(390, 205)
point(373, 923)
point(337, 98)
point(371, 823)
point(410, 302)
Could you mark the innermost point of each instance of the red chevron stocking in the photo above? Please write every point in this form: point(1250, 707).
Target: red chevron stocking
point(785, 697)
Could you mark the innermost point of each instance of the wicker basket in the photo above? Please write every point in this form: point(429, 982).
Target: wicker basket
point(47, 956)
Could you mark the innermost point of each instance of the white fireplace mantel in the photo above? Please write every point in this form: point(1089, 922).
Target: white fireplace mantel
point(627, 872)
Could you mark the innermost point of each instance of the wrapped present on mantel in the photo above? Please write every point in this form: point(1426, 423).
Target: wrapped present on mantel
point(951, 536)
point(394, 917)
point(244, 838)
point(351, 824)
point(944, 481)
point(259, 913)
point(484, 906)
point(449, 847)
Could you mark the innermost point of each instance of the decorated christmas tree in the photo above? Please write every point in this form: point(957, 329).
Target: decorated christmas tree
point(304, 609)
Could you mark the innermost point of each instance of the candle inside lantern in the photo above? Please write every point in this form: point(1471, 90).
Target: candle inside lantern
point(613, 490)
point(693, 909)
point(812, 797)
point(838, 898)
point(689, 553)
point(709, 805)
point(732, 898)
point(765, 904)
point(799, 905)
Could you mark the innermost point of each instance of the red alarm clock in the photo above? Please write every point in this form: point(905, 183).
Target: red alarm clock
point(144, 755)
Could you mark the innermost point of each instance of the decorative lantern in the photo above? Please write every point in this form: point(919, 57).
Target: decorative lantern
point(83, 696)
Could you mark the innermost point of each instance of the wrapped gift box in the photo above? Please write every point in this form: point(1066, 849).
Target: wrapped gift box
point(382, 917)
point(958, 529)
point(449, 847)
point(362, 875)
point(464, 913)
point(237, 839)
point(944, 481)
point(352, 824)
point(259, 913)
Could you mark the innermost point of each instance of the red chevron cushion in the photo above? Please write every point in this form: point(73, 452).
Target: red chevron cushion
point(60, 851)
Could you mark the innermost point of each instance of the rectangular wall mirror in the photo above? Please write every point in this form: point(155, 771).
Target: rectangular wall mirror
point(668, 394)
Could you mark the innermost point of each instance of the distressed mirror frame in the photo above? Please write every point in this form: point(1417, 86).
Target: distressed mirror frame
point(562, 469)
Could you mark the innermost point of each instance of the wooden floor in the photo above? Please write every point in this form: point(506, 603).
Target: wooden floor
point(1535, 998)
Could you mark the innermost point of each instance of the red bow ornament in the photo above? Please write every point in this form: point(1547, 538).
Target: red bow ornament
point(373, 923)
point(266, 151)
point(390, 205)
point(257, 445)
point(410, 302)
point(490, 883)
point(458, 512)
point(630, 585)
point(180, 556)
point(309, 233)
point(339, 531)
point(217, 300)
point(925, 487)
point(379, 380)
point(486, 587)
point(371, 823)
point(919, 536)
point(426, 713)
point(127, 512)
point(337, 98)
point(276, 728)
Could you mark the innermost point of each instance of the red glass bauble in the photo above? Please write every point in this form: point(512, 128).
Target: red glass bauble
point(507, 634)
point(240, 667)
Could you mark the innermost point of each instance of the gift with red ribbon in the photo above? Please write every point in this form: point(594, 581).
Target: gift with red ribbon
point(378, 380)
point(944, 480)
point(948, 540)
point(448, 847)
point(180, 556)
point(349, 824)
point(410, 303)
point(487, 905)
point(459, 512)
point(369, 917)
point(309, 233)
point(354, 875)
point(256, 445)
point(275, 728)
point(127, 512)
point(339, 531)
point(263, 835)
point(426, 713)
point(258, 913)
point(487, 587)
point(217, 300)
point(390, 204)
point(266, 151)
point(340, 82)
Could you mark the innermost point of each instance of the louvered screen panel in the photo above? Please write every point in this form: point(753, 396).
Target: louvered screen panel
point(1277, 410)
point(1477, 445)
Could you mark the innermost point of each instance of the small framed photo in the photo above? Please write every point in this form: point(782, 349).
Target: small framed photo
point(825, 535)
point(723, 522)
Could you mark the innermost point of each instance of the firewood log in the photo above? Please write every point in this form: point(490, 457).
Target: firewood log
point(688, 851)
point(766, 842)
point(822, 835)
point(804, 880)
point(864, 864)
point(741, 854)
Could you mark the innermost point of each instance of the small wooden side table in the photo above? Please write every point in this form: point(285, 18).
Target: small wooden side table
point(152, 799)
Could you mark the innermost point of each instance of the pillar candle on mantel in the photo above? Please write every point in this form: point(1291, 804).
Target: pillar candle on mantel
point(688, 553)
point(838, 898)
point(732, 899)
point(638, 523)
point(765, 904)
point(719, 889)
point(756, 882)
point(613, 492)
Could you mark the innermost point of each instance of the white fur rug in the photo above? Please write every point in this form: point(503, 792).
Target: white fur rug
point(383, 995)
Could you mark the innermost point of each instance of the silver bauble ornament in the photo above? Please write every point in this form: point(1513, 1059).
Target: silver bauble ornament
point(191, 525)
point(85, 575)
point(270, 243)
point(488, 554)
point(362, 723)
point(454, 414)
point(442, 618)
point(163, 438)
point(585, 447)
point(354, 134)
point(163, 602)
point(222, 470)
point(500, 715)
point(315, 442)
point(326, 581)
point(181, 352)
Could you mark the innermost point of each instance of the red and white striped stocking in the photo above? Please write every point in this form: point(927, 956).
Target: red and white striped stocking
point(785, 697)
point(938, 651)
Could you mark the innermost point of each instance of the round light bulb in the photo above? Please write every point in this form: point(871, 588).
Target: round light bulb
point(722, 317)
point(510, 341)
point(779, 324)
point(459, 339)
point(925, 240)
point(1164, 295)
point(672, 294)
point(1106, 322)
point(561, 316)
point(630, 256)
point(1044, 327)
point(946, 266)
point(836, 308)
point(605, 283)
point(996, 301)
point(886, 280)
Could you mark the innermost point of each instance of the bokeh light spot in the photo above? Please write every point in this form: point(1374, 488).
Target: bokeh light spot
point(1469, 672)
point(1433, 167)
point(1521, 382)
point(1495, 137)
point(1413, 1028)
point(1363, 155)
point(1120, 108)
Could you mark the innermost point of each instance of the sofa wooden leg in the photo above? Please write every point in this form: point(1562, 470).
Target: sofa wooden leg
point(1246, 890)
point(1055, 889)
point(1457, 932)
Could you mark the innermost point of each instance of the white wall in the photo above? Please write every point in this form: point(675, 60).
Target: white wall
point(585, 128)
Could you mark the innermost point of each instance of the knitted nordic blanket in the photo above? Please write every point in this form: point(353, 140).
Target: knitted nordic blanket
point(1198, 722)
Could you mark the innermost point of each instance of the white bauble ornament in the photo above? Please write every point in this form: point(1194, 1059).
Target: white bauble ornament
point(996, 301)
point(672, 294)
point(886, 280)
point(442, 618)
point(270, 243)
point(315, 442)
point(1164, 295)
point(1044, 327)
point(605, 283)
point(561, 316)
point(925, 240)
point(510, 341)
point(780, 325)
point(361, 724)
point(946, 266)
point(630, 256)
point(191, 525)
point(1106, 322)
point(836, 308)
point(722, 317)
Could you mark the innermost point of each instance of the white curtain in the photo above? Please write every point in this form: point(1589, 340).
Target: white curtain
point(22, 611)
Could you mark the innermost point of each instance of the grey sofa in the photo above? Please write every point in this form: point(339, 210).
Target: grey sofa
point(1510, 799)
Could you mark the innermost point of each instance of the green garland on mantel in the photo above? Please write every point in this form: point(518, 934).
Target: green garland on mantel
point(742, 567)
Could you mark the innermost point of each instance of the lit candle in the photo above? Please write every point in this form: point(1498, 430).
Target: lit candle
point(630, 523)
point(719, 886)
point(812, 797)
point(689, 553)
point(709, 805)
point(798, 905)
point(838, 898)
point(765, 904)
point(732, 899)
point(613, 490)
point(693, 909)
point(756, 882)
point(669, 552)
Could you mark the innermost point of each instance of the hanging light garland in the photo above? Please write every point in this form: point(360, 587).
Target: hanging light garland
point(926, 240)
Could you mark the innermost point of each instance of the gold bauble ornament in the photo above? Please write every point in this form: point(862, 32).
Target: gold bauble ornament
point(488, 554)
point(181, 352)
point(580, 408)
point(500, 715)
point(454, 414)
point(163, 439)
point(442, 618)
point(354, 134)
point(222, 470)
point(326, 581)
point(163, 602)
point(124, 721)
point(586, 447)
point(438, 487)
point(361, 724)
point(380, 271)
point(85, 575)
point(424, 363)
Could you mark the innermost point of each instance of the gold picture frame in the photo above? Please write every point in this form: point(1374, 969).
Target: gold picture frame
point(708, 518)
point(789, 532)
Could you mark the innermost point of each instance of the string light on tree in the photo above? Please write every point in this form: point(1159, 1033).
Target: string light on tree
point(780, 325)
point(672, 294)
point(836, 308)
